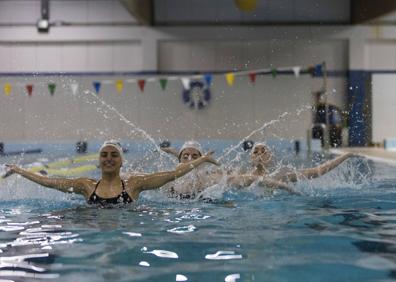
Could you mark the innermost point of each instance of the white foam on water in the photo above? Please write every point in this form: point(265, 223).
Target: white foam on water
point(163, 254)
point(132, 234)
point(144, 263)
point(223, 255)
point(182, 229)
point(376, 263)
point(181, 277)
point(11, 228)
point(232, 277)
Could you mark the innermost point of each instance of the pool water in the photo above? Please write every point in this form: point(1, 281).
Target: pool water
point(343, 228)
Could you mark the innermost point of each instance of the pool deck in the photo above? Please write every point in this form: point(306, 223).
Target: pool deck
point(373, 153)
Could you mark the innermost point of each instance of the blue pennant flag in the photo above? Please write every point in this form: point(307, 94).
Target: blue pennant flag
point(318, 70)
point(96, 85)
point(208, 79)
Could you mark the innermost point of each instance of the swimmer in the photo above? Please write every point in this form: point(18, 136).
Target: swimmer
point(262, 160)
point(111, 189)
point(191, 150)
point(190, 186)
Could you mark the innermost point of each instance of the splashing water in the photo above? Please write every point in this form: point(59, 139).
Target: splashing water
point(149, 155)
point(261, 129)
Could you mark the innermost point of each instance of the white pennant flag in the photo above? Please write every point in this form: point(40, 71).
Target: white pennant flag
point(74, 88)
point(186, 83)
point(296, 71)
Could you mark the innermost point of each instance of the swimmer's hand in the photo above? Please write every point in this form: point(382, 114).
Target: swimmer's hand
point(11, 170)
point(170, 150)
point(209, 158)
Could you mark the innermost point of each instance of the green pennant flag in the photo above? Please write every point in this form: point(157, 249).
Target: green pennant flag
point(51, 88)
point(274, 73)
point(163, 83)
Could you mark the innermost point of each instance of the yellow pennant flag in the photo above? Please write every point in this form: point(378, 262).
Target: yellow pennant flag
point(119, 85)
point(7, 89)
point(230, 77)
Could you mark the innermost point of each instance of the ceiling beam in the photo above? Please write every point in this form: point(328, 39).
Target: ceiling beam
point(141, 10)
point(368, 10)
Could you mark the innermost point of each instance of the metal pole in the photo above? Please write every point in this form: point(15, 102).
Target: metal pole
point(309, 142)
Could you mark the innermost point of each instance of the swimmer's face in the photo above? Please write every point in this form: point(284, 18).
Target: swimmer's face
point(261, 155)
point(189, 154)
point(109, 159)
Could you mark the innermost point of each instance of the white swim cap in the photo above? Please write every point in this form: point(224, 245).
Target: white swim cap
point(259, 144)
point(191, 144)
point(115, 144)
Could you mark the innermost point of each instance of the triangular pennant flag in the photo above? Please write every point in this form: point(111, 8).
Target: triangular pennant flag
point(141, 83)
point(29, 89)
point(51, 88)
point(230, 77)
point(252, 77)
point(96, 85)
point(297, 71)
point(74, 88)
point(119, 85)
point(318, 70)
point(208, 79)
point(186, 83)
point(163, 82)
point(274, 73)
point(7, 89)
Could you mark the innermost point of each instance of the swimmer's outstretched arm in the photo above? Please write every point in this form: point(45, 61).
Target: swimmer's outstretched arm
point(314, 172)
point(61, 184)
point(244, 180)
point(268, 182)
point(156, 180)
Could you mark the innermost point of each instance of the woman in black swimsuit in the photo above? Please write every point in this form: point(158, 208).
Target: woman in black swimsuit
point(111, 188)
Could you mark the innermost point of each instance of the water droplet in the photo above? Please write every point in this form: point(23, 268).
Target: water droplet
point(144, 263)
point(223, 255)
point(164, 254)
point(132, 234)
point(182, 229)
point(180, 277)
point(232, 277)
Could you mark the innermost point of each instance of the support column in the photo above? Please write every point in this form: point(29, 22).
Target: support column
point(359, 112)
point(358, 94)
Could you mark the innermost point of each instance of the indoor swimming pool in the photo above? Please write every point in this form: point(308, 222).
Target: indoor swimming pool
point(340, 229)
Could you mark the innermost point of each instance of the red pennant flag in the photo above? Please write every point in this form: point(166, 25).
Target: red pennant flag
point(29, 89)
point(141, 83)
point(252, 77)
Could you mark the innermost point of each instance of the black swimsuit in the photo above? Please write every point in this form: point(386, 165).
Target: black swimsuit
point(122, 198)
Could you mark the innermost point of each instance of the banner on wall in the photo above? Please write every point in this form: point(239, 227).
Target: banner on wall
point(197, 96)
point(207, 78)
